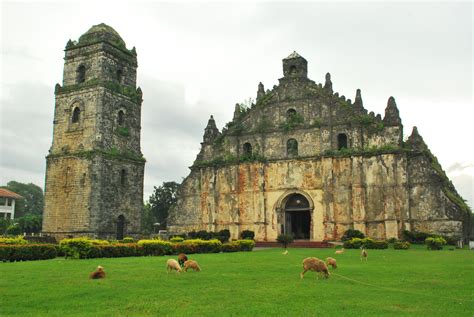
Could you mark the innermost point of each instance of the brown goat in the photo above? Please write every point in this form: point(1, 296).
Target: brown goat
point(181, 259)
point(98, 273)
point(315, 264)
point(331, 262)
point(190, 264)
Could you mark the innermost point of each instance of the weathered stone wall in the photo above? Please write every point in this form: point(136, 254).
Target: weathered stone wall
point(371, 194)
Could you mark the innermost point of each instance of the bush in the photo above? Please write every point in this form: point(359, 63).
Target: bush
point(401, 245)
point(128, 240)
point(120, 250)
point(204, 235)
point(203, 246)
point(223, 235)
point(81, 248)
point(392, 240)
point(368, 243)
point(27, 252)
point(352, 233)
point(415, 237)
point(15, 240)
point(230, 247)
point(285, 239)
point(435, 243)
point(245, 245)
point(177, 239)
point(247, 234)
point(155, 247)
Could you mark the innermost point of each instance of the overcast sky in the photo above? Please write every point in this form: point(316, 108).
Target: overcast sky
point(198, 59)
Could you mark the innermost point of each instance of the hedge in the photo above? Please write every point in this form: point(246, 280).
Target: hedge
point(27, 252)
point(156, 247)
point(15, 240)
point(436, 243)
point(368, 243)
point(401, 245)
point(81, 248)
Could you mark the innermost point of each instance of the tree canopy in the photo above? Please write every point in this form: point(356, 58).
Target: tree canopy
point(34, 198)
point(160, 202)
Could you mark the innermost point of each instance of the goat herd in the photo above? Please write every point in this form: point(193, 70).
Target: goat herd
point(183, 264)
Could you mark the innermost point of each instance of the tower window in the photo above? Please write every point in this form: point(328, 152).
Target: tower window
point(81, 74)
point(247, 149)
point(119, 75)
point(120, 118)
point(292, 69)
point(341, 141)
point(123, 177)
point(76, 115)
point(292, 147)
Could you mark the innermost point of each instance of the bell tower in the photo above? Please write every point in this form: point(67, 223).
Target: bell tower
point(95, 168)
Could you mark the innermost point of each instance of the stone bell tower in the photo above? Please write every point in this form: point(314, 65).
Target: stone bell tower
point(94, 170)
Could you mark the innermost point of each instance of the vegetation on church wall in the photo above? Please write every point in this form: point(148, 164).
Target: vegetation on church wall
point(128, 91)
point(112, 154)
point(123, 132)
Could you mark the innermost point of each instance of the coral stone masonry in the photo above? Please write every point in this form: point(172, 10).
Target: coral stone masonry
point(94, 170)
point(305, 161)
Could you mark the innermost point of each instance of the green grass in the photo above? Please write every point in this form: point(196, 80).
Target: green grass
point(416, 282)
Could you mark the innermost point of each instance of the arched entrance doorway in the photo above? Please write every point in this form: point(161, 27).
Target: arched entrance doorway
point(297, 216)
point(120, 227)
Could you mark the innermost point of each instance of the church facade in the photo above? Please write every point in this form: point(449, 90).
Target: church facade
point(95, 168)
point(305, 161)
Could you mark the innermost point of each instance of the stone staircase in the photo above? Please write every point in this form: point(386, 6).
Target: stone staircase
point(295, 244)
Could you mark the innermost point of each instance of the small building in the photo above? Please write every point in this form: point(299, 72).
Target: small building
point(7, 203)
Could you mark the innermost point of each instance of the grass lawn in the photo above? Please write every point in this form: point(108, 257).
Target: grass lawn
point(265, 282)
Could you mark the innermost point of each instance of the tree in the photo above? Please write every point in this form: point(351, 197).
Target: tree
point(33, 201)
point(161, 201)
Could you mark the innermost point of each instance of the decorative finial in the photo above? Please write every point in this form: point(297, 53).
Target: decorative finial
point(260, 91)
point(392, 115)
point(328, 83)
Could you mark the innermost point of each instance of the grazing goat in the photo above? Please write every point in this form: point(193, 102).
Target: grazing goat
point(340, 251)
point(315, 264)
point(363, 254)
point(171, 265)
point(98, 273)
point(181, 259)
point(190, 264)
point(331, 262)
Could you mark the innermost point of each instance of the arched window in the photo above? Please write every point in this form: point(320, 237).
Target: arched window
point(123, 177)
point(247, 149)
point(81, 74)
point(120, 118)
point(341, 141)
point(292, 69)
point(292, 147)
point(290, 113)
point(120, 227)
point(76, 115)
point(119, 75)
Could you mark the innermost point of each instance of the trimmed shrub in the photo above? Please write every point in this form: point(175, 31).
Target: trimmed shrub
point(247, 234)
point(120, 250)
point(81, 248)
point(128, 240)
point(401, 245)
point(223, 235)
point(415, 237)
point(27, 252)
point(204, 235)
point(285, 239)
point(245, 245)
point(352, 233)
point(368, 243)
point(204, 246)
point(392, 240)
point(435, 243)
point(177, 239)
point(155, 247)
point(11, 240)
point(230, 247)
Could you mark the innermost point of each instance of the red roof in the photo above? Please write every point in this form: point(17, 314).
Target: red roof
point(8, 193)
